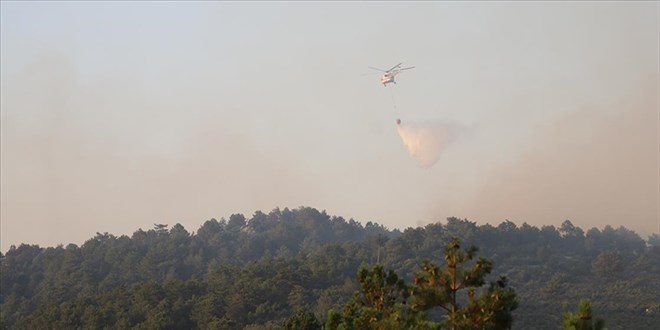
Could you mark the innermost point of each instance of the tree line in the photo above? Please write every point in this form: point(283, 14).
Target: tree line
point(257, 273)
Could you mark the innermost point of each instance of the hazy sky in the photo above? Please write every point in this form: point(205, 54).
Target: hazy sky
point(119, 115)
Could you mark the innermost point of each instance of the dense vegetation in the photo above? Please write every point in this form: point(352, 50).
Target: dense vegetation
point(259, 272)
point(583, 319)
point(385, 301)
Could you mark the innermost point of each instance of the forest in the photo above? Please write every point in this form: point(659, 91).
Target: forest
point(302, 266)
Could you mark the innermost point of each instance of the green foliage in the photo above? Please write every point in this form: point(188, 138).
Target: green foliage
point(440, 287)
point(654, 240)
point(380, 303)
point(582, 319)
point(379, 289)
point(250, 272)
point(302, 319)
point(607, 263)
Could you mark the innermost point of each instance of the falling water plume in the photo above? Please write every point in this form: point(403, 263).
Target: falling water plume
point(426, 141)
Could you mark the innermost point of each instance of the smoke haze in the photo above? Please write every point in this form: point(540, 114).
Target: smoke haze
point(118, 115)
point(596, 165)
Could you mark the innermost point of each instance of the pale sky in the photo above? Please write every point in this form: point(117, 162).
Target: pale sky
point(119, 115)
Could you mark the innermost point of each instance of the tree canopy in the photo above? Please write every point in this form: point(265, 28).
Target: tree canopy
point(259, 271)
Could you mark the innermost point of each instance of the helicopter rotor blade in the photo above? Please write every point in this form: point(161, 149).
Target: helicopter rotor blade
point(394, 67)
point(371, 67)
point(411, 67)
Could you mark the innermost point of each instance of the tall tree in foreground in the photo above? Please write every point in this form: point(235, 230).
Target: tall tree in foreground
point(482, 308)
point(582, 320)
point(379, 304)
point(382, 301)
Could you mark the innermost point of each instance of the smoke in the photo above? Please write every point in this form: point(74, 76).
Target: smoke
point(427, 141)
point(79, 157)
point(595, 166)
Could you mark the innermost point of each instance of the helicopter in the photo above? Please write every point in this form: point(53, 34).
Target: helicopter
point(389, 75)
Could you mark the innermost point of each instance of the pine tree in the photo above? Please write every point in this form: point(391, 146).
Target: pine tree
point(379, 304)
point(583, 320)
point(440, 287)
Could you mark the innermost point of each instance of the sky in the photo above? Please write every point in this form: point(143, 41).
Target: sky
point(118, 115)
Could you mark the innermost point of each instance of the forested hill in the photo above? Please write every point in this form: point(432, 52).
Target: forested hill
point(253, 273)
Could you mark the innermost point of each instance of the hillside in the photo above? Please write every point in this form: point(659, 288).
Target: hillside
point(253, 273)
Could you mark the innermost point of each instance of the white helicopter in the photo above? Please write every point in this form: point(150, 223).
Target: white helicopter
point(389, 75)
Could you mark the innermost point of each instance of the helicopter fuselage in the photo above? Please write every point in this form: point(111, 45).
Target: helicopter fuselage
point(389, 75)
point(388, 78)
